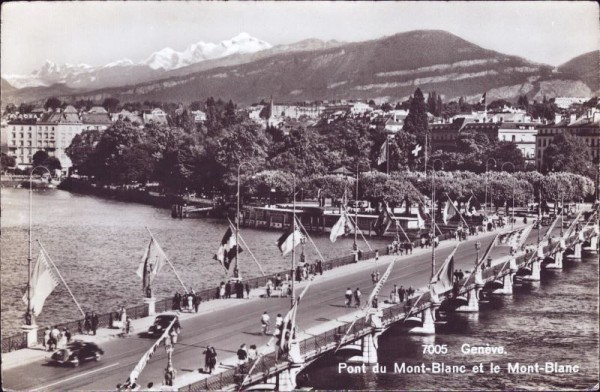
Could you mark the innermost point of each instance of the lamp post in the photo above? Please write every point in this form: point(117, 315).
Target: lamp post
point(433, 214)
point(355, 245)
point(294, 237)
point(477, 248)
point(28, 314)
point(236, 271)
point(486, 183)
point(512, 219)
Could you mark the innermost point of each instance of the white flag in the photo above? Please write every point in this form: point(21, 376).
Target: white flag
point(43, 282)
point(152, 262)
point(342, 227)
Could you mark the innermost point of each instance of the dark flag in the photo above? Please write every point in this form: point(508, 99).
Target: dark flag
point(482, 100)
point(384, 221)
point(227, 249)
point(289, 240)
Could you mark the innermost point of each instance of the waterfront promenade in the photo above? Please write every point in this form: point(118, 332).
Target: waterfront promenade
point(226, 324)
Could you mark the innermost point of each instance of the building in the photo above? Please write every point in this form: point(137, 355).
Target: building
point(566, 102)
point(156, 116)
point(96, 118)
point(125, 115)
point(199, 116)
point(587, 127)
point(523, 134)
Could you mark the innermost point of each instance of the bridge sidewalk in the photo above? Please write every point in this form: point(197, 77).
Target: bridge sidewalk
point(29, 355)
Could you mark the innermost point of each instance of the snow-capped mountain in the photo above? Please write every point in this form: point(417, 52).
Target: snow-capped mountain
point(168, 58)
point(126, 71)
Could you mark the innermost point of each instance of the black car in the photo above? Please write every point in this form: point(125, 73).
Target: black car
point(162, 322)
point(77, 352)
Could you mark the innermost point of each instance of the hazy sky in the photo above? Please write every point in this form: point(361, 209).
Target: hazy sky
point(99, 32)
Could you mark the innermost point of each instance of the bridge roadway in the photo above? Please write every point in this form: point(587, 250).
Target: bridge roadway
point(227, 328)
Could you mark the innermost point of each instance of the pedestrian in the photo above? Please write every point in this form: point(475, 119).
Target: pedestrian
point(54, 337)
point(47, 338)
point(252, 353)
point(173, 335)
point(320, 267)
point(269, 288)
point(377, 276)
point(348, 297)
point(239, 290)
point(94, 321)
point(410, 292)
point(247, 287)
point(210, 359)
point(222, 290)
point(264, 322)
point(401, 293)
point(68, 335)
point(242, 356)
point(87, 323)
point(174, 302)
point(374, 278)
point(277, 281)
point(357, 295)
point(278, 325)
point(170, 373)
point(377, 255)
point(228, 290)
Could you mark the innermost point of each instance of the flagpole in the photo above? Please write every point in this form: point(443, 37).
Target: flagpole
point(359, 231)
point(456, 209)
point(387, 150)
point(61, 278)
point(169, 261)
point(247, 247)
point(310, 239)
point(293, 235)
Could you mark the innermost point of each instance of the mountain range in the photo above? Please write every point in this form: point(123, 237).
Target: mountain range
point(247, 69)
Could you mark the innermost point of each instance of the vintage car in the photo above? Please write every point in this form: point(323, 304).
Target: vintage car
point(77, 352)
point(162, 322)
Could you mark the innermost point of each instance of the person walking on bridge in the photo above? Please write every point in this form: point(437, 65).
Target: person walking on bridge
point(357, 295)
point(210, 359)
point(264, 321)
point(348, 297)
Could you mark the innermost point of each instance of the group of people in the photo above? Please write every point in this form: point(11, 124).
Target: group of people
point(458, 275)
point(356, 295)
point(306, 270)
point(189, 301)
point(375, 277)
point(398, 247)
point(230, 289)
point(90, 323)
point(398, 295)
point(53, 337)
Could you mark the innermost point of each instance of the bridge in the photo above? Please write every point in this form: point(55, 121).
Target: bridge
point(324, 323)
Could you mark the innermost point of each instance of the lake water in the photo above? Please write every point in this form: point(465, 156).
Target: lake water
point(98, 244)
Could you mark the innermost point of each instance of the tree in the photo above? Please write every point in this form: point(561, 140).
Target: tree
point(110, 104)
point(6, 162)
point(81, 149)
point(300, 152)
point(386, 107)
point(53, 163)
point(39, 158)
point(568, 153)
point(416, 122)
point(52, 103)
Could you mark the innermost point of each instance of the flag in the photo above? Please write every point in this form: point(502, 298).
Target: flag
point(289, 240)
point(152, 262)
point(514, 238)
point(449, 211)
point(135, 373)
point(384, 220)
point(474, 205)
point(482, 100)
point(383, 153)
point(43, 282)
point(420, 220)
point(342, 227)
point(227, 249)
point(417, 150)
point(443, 280)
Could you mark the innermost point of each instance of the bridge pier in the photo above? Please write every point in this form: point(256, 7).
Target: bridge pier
point(286, 380)
point(370, 343)
point(151, 302)
point(535, 272)
point(31, 332)
point(428, 320)
point(576, 252)
point(593, 248)
point(472, 305)
point(558, 262)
